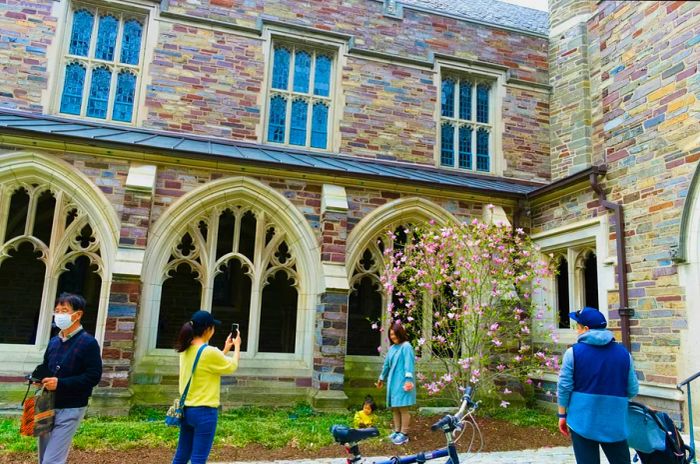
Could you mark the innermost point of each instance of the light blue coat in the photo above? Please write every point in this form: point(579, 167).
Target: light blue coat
point(399, 367)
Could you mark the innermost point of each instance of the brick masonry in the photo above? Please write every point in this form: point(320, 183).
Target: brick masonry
point(642, 61)
point(624, 92)
point(209, 81)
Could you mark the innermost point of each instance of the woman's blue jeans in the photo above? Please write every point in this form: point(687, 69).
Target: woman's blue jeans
point(196, 435)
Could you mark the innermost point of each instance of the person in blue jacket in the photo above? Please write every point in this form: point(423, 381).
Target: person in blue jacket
point(398, 371)
point(596, 380)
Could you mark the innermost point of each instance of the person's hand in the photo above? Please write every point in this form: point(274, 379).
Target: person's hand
point(408, 386)
point(379, 384)
point(228, 344)
point(50, 383)
point(563, 428)
point(237, 340)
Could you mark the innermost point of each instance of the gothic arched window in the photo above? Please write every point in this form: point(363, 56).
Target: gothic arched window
point(47, 246)
point(236, 263)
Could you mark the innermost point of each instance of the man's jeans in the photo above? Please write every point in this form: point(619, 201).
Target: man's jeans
point(196, 434)
point(55, 445)
point(588, 452)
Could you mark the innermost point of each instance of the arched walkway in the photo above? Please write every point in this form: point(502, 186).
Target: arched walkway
point(52, 214)
point(243, 233)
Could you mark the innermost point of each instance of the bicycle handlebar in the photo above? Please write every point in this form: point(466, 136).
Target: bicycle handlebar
point(452, 422)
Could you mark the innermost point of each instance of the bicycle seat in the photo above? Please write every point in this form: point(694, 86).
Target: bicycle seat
point(344, 434)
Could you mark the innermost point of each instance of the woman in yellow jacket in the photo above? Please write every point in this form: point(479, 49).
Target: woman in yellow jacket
point(200, 414)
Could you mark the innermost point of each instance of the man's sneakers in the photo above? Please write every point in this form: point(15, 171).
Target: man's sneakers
point(399, 438)
point(392, 435)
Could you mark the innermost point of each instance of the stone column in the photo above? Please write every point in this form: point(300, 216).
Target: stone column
point(332, 312)
point(114, 395)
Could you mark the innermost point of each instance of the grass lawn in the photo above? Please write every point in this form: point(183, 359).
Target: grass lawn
point(299, 427)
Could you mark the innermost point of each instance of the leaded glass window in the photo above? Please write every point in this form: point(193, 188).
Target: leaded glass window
point(300, 97)
point(465, 124)
point(101, 68)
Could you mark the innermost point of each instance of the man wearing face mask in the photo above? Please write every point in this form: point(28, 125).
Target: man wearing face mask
point(73, 357)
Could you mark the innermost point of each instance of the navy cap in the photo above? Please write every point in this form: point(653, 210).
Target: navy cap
point(589, 317)
point(203, 319)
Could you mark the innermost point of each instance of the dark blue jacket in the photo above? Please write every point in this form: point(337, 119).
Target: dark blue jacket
point(595, 381)
point(77, 363)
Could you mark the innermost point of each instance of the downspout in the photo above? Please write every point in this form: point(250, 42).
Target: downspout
point(625, 311)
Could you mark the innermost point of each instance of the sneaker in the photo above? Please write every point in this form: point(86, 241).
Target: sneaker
point(392, 435)
point(400, 439)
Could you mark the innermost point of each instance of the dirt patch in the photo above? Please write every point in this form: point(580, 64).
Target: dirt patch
point(498, 436)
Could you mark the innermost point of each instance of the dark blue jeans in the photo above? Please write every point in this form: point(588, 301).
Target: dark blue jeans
point(588, 452)
point(196, 435)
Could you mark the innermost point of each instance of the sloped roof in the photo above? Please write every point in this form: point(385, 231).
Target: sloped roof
point(489, 11)
point(248, 153)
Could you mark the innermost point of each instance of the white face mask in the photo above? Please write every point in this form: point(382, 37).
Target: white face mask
point(63, 321)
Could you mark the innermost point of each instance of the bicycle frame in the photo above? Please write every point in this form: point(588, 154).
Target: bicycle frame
point(450, 450)
point(448, 424)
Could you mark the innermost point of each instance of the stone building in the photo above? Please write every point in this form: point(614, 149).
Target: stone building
point(246, 157)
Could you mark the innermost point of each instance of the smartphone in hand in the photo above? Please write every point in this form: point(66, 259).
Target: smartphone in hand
point(234, 329)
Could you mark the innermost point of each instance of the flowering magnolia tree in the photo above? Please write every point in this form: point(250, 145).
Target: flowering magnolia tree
point(464, 294)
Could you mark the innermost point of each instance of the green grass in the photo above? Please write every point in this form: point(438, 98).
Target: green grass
point(521, 417)
point(300, 427)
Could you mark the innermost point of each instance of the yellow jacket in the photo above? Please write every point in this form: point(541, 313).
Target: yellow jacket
point(205, 388)
point(362, 420)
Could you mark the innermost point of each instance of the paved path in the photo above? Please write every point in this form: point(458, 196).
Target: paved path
point(559, 455)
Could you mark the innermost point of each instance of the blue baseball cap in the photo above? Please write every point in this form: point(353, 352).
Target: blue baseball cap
point(204, 319)
point(589, 317)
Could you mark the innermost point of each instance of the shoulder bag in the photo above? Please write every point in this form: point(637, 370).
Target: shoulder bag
point(173, 417)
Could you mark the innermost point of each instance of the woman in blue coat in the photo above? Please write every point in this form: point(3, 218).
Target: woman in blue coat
point(398, 371)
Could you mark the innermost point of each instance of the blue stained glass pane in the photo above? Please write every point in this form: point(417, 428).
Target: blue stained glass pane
point(482, 150)
point(447, 147)
point(131, 42)
point(302, 71)
point(319, 126)
point(465, 100)
point(322, 77)
point(465, 147)
point(448, 98)
point(99, 93)
point(482, 103)
point(278, 115)
point(280, 69)
point(72, 97)
point(106, 38)
point(297, 130)
point(80, 35)
point(124, 97)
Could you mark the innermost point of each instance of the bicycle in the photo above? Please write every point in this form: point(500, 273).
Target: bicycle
point(449, 424)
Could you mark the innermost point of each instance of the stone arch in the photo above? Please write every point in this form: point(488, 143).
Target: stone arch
point(219, 195)
point(74, 189)
point(390, 214)
point(688, 254)
point(361, 248)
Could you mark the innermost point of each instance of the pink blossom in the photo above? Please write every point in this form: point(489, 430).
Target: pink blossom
point(504, 404)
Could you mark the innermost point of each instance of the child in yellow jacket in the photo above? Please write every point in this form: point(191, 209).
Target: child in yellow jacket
point(365, 417)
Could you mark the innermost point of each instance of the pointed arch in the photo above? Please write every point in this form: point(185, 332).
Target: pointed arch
point(91, 229)
point(197, 213)
point(365, 264)
point(390, 215)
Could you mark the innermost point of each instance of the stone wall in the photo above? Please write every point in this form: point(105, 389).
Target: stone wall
point(208, 78)
point(27, 30)
point(643, 60)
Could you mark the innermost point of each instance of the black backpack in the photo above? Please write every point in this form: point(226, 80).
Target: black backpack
point(655, 437)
